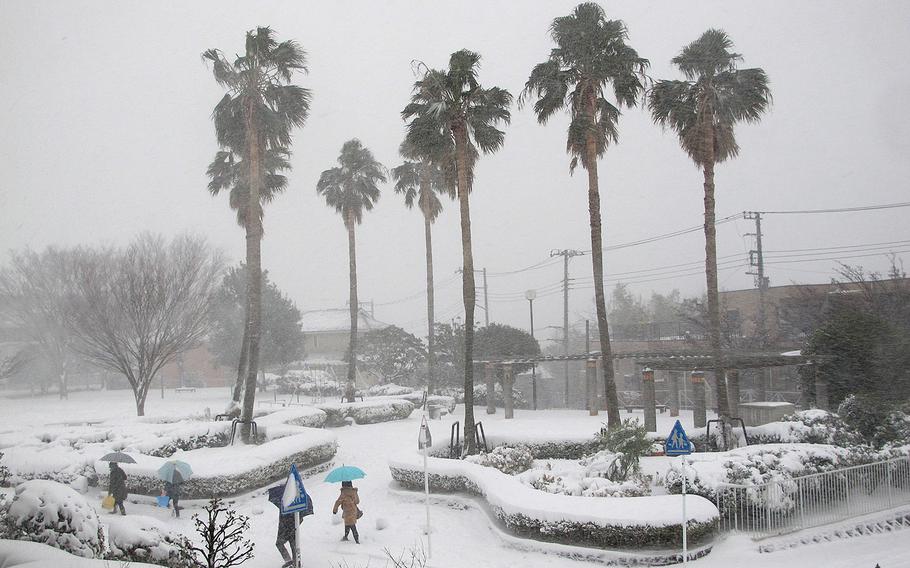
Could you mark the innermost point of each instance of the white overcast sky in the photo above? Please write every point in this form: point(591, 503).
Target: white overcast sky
point(105, 131)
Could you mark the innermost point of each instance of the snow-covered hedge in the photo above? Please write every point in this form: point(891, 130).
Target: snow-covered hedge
point(232, 469)
point(367, 412)
point(505, 459)
point(754, 465)
point(607, 523)
point(23, 554)
point(307, 382)
point(53, 514)
point(136, 538)
point(390, 389)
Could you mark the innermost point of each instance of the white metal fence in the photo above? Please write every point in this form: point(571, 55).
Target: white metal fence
point(780, 507)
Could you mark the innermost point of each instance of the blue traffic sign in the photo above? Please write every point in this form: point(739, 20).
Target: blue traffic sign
point(677, 443)
point(295, 498)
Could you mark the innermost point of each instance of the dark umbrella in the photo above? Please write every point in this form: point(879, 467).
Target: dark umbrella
point(118, 457)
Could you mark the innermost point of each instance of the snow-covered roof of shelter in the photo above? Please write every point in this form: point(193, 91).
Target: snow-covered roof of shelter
point(337, 319)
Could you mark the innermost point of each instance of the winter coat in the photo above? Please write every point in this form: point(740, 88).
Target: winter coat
point(172, 490)
point(117, 485)
point(348, 501)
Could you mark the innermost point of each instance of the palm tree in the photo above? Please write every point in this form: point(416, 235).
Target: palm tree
point(253, 123)
point(227, 173)
point(419, 181)
point(703, 110)
point(591, 55)
point(351, 188)
point(450, 108)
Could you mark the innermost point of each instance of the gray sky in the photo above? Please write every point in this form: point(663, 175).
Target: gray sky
point(105, 111)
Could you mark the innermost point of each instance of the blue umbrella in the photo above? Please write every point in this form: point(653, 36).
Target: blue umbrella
point(175, 471)
point(345, 473)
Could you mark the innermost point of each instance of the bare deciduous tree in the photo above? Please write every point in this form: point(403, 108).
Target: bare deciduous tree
point(135, 310)
point(33, 289)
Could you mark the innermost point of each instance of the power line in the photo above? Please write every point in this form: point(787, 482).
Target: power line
point(542, 264)
point(669, 235)
point(838, 210)
point(860, 246)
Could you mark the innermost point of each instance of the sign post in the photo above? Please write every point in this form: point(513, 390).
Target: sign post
point(295, 500)
point(424, 442)
point(678, 444)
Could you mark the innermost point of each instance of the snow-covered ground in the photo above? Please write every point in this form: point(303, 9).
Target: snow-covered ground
point(463, 533)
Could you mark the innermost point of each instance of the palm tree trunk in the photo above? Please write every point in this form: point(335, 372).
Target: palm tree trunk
point(711, 276)
point(431, 319)
point(355, 310)
point(467, 284)
point(242, 363)
point(254, 272)
point(597, 262)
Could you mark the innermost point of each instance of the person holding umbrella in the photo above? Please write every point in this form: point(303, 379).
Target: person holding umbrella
point(287, 532)
point(117, 482)
point(117, 488)
point(174, 473)
point(348, 500)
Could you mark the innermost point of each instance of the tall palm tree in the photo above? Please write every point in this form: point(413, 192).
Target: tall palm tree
point(703, 110)
point(465, 115)
point(253, 123)
point(351, 188)
point(227, 172)
point(591, 55)
point(419, 179)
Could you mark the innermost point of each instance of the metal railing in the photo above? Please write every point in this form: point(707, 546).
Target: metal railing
point(785, 506)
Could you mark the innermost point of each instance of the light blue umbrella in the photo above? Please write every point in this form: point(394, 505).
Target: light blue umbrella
point(345, 473)
point(175, 471)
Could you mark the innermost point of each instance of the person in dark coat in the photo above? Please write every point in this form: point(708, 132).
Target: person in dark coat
point(347, 502)
point(172, 490)
point(117, 488)
point(287, 535)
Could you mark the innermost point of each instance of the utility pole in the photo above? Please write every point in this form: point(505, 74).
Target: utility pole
point(757, 261)
point(566, 254)
point(486, 295)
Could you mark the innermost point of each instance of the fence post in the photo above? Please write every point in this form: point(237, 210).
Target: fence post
point(648, 402)
point(890, 499)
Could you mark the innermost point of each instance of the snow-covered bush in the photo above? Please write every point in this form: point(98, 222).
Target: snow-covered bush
point(192, 442)
point(368, 412)
point(136, 538)
point(584, 485)
point(628, 443)
point(4, 472)
point(507, 460)
point(53, 514)
point(309, 382)
point(756, 465)
point(542, 526)
point(241, 475)
point(389, 389)
point(879, 426)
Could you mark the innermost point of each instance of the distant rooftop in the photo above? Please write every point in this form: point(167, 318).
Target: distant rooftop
point(337, 319)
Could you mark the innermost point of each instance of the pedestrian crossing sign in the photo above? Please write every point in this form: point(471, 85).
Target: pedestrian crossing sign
point(295, 498)
point(677, 443)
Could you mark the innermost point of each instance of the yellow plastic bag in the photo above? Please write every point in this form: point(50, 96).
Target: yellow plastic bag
point(108, 503)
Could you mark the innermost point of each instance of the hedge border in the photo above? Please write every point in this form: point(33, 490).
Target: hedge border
point(563, 532)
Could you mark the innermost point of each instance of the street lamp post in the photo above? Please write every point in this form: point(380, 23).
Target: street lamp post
point(530, 295)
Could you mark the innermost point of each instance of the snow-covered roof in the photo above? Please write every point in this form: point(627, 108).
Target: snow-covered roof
point(337, 319)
